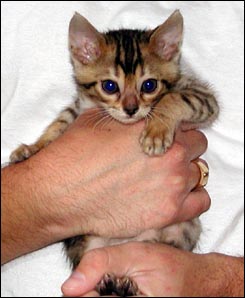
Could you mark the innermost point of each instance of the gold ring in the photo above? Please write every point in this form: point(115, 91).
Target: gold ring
point(204, 173)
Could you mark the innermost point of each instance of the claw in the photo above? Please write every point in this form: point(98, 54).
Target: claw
point(112, 285)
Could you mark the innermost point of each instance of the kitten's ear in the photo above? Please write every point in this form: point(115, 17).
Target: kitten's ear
point(166, 39)
point(85, 41)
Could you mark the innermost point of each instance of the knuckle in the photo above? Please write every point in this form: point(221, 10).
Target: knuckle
point(97, 257)
point(202, 140)
point(179, 183)
point(91, 255)
point(171, 211)
point(180, 153)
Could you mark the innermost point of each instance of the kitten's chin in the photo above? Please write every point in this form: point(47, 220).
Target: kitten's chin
point(128, 121)
point(125, 120)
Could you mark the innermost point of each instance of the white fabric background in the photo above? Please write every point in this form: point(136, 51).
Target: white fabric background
point(36, 84)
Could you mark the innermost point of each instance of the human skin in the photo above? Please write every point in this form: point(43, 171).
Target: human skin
point(98, 181)
point(160, 271)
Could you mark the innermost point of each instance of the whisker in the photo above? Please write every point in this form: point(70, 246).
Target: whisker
point(154, 108)
point(94, 115)
point(90, 118)
point(91, 121)
point(147, 118)
point(101, 121)
point(150, 115)
point(109, 120)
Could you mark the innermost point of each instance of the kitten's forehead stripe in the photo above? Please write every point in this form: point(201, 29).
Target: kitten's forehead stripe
point(139, 59)
point(128, 46)
point(128, 53)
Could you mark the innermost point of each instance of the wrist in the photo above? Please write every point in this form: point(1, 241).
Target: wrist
point(221, 275)
point(230, 272)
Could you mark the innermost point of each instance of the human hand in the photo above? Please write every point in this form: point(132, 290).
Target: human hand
point(126, 191)
point(98, 181)
point(159, 270)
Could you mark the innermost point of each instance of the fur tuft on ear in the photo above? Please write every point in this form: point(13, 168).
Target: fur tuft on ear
point(166, 39)
point(85, 41)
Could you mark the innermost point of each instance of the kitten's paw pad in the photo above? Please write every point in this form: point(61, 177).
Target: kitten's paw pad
point(155, 143)
point(23, 152)
point(111, 285)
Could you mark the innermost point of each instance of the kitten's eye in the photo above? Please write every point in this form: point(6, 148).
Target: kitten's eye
point(149, 86)
point(110, 87)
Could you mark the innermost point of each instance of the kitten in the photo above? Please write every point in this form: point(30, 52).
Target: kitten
point(132, 74)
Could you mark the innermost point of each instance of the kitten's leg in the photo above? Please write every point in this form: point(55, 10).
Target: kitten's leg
point(189, 102)
point(55, 129)
point(182, 235)
point(75, 248)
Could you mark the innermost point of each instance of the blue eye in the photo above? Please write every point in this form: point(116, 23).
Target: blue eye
point(110, 87)
point(149, 86)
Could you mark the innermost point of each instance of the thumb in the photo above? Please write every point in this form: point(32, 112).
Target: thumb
point(92, 268)
point(88, 273)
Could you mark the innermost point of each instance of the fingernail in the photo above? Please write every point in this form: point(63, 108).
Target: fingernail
point(75, 281)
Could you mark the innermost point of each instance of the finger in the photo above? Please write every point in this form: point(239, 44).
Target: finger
point(194, 142)
point(93, 267)
point(197, 202)
point(195, 173)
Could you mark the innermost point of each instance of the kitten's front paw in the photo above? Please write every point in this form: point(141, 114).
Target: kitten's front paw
point(112, 285)
point(23, 152)
point(155, 141)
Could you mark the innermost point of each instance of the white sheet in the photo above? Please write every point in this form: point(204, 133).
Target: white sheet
point(36, 84)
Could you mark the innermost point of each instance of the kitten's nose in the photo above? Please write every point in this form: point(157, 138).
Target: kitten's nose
point(131, 110)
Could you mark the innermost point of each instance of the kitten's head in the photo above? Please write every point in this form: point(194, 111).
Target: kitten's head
point(126, 71)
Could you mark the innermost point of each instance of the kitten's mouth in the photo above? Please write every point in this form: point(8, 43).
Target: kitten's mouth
point(123, 117)
point(126, 119)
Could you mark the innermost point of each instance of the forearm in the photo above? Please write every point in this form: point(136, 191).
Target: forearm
point(221, 276)
point(232, 271)
point(33, 214)
point(23, 226)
